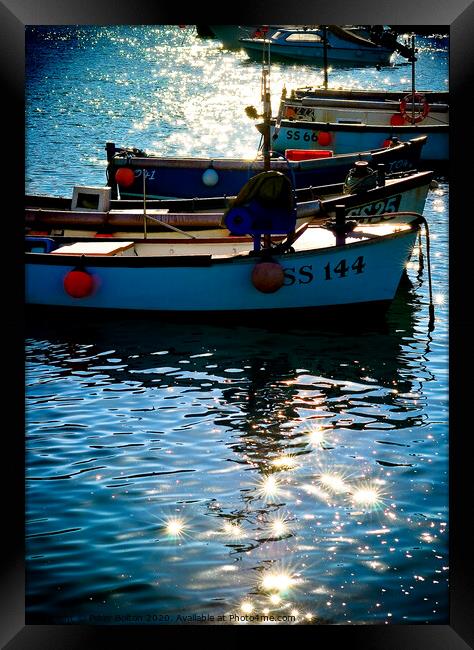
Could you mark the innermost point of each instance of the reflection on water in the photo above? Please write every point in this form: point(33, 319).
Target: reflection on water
point(191, 469)
point(221, 469)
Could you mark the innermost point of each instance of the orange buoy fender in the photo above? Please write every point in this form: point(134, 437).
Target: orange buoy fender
point(268, 277)
point(78, 284)
point(124, 176)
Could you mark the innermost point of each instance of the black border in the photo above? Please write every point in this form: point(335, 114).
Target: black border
point(459, 15)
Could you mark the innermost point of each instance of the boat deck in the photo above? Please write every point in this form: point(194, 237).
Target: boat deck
point(315, 237)
point(309, 237)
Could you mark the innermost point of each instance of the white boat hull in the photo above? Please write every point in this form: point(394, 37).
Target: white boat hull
point(366, 271)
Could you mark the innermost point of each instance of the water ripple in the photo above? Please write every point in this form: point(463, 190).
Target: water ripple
point(240, 468)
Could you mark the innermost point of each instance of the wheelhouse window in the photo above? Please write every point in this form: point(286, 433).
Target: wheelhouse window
point(313, 38)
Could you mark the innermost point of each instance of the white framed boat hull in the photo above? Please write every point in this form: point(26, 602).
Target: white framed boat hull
point(203, 283)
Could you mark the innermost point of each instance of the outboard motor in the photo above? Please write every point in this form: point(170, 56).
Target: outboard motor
point(264, 206)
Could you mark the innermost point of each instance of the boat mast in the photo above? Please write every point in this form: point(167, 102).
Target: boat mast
point(144, 204)
point(267, 107)
point(325, 55)
point(413, 59)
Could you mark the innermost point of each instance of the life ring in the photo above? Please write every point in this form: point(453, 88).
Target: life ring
point(418, 117)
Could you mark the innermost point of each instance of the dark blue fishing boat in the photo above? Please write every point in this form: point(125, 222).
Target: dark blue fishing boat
point(130, 172)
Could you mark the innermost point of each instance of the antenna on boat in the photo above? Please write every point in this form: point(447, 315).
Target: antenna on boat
point(144, 204)
point(155, 219)
point(325, 55)
point(413, 89)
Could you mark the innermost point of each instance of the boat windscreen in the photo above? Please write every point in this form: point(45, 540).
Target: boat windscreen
point(306, 37)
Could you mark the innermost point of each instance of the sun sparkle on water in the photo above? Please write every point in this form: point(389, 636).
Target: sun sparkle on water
point(246, 607)
point(233, 530)
point(281, 581)
point(316, 437)
point(269, 487)
point(334, 482)
point(367, 496)
point(175, 527)
point(284, 462)
point(278, 526)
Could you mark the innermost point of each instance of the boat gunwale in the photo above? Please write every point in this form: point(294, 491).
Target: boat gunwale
point(240, 163)
point(370, 128)
point(173, 261)
point(356, 104)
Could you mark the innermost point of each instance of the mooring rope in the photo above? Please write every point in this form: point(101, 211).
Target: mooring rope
point(422, 220)
point(430, 287)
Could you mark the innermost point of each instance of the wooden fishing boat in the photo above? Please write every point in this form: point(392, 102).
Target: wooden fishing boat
point(203, 218)
point(315, 267)
point(129, 169)
point(344, 137)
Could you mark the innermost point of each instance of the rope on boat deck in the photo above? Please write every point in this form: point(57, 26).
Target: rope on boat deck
point(168, 225)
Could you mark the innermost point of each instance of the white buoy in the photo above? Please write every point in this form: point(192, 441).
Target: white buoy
point(210, 177)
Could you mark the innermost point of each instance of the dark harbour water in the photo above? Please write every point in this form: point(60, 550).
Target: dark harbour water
point(182, 468)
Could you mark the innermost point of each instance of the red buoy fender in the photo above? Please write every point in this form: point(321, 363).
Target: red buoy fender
point(420, 99)
point(397, 120)
point(324, 138)
point(78, 283)
point(125, 176)
point(268, 277)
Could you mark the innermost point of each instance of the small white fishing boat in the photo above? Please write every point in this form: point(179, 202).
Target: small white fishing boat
point(389, 111)
point(316, 267)
point(362, 35)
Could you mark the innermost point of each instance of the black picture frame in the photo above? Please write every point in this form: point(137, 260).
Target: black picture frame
point(459, 15)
